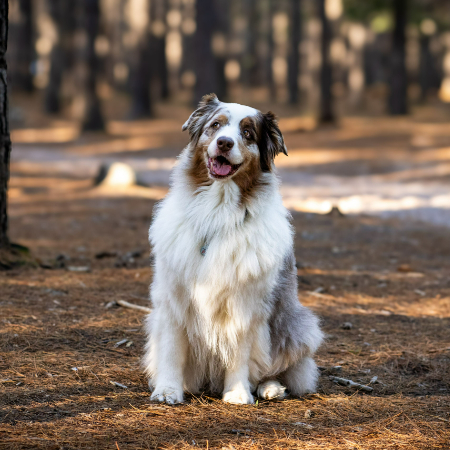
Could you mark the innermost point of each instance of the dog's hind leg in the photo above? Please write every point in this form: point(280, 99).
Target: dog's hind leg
point(301, 378)
point(270, 390)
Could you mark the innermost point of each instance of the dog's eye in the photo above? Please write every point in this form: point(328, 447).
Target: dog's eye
point(246, 133)
point(216, 125)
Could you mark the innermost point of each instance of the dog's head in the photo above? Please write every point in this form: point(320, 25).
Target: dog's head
point(232, 141)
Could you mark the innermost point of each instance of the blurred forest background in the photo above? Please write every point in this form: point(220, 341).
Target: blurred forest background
point(324, 58)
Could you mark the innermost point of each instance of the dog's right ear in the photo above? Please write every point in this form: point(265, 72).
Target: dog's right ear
point(208, 104)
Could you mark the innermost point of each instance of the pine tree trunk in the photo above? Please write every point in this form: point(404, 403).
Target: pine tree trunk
point(140, 83)
point(222, 8)
point(295, 36)
point(248, 58)
point(5, 142)
point(205, 64)
point(26, 54)
point(270, 51)
point(159, 72)
point(93, 117)
point(326, 74)
point(398, 77)
point(63, 15)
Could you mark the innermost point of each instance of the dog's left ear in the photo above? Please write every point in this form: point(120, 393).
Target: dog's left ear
point(271, 141)
point(199, 117)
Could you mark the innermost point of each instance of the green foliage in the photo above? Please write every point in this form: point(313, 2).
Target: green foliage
point(365, 10)
point(379, 13)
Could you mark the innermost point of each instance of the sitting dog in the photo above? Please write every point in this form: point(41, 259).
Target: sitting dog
point(226, 315)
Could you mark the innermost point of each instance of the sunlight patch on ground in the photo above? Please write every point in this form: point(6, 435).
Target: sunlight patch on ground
point(45, 135)
point(368, 204)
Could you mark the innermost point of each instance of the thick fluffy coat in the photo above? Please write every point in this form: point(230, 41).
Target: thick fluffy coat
point(226, 315)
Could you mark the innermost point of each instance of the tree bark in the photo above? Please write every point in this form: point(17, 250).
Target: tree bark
point(205, 64)
point(326, 73)
point(5, 142)
point(270, 51)
point(429, 76)
point(93, 116)
point(295, 35)
point(159, 72)
point(63, 15)
point(398, 77)
point(26, 54)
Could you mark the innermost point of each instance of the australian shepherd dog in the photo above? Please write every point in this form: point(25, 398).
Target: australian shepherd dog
point(226, 316)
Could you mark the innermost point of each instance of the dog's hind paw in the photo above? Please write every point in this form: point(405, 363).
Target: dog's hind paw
point(271, 389)
point(238, 397)
point(168, 395)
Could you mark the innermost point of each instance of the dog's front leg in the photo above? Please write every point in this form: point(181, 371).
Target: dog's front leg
point(237, 385)
point(171, 347)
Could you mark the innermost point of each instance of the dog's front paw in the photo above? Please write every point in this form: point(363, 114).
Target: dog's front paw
point(238, 397)
point(169, 395)
point(270, 390)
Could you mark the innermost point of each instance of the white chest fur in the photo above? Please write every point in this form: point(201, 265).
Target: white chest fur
point(223, 290)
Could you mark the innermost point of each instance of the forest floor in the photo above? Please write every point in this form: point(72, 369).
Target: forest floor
point(59, 350)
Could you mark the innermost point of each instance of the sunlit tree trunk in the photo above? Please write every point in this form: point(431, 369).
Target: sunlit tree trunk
point(295, 35)
point(93, 119)
point(326, 101)
point(5, 142)
point(398, 77)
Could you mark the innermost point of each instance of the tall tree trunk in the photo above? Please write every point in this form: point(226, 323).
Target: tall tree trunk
point(295, 36)
point(159, 72)
point(205, 64)
point(248, 58)
point(140, 82)
point(270, 51)
point(222, 8)
point(5, 142)
point(398, 78)
point(63, 15)
point(429, 76)
point(25, 54)
point(93, 117)
point(326, 73)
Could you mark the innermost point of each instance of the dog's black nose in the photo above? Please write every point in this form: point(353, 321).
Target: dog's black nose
point(225, 144)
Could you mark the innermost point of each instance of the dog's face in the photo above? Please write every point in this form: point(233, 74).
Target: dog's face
point(232, 141)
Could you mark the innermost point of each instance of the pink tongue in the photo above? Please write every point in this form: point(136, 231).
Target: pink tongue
point(221, 169)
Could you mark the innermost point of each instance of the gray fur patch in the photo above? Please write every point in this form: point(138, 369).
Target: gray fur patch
point(294, 329)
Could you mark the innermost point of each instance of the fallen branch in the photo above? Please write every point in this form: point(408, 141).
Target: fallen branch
point(133, 306)
point(350, 383)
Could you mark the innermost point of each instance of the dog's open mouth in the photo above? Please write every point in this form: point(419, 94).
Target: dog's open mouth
point(220, 167)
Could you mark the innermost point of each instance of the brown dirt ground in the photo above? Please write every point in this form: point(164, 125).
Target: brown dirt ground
point(390, 279)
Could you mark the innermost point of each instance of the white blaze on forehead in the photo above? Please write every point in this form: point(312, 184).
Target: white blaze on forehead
point(239, 112)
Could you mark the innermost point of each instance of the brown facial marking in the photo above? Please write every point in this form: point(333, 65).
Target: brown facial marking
point(248, 123)
point(198, 170)
point(222, 119)
point(248, 178)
